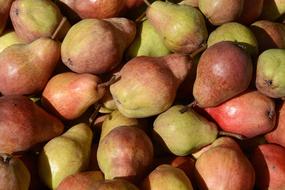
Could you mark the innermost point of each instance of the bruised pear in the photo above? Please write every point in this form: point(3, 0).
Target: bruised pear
point(33, 19)
point(167, 177)
point(224, 70)
point(221, 11)
point(181, 27)
point(24, 124)
point(14, 175)
point(9, 38)
point(249, 114)
point(97, 46)
point(183, 132)
point(5, 6)
point(125, 152)
point(224, 167)
point(26, 68)
point(148, 85)
point(270, 73)
point(70, 94)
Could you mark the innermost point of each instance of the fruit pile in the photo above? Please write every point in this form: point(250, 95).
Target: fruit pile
point(142, 94)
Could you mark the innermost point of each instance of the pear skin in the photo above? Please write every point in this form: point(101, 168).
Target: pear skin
point(181, 27)
point(19, 115)
point(5, 6)
point(251, 11)
point(115, 184)
point(26, 68)
point(273, 9)
point(9, 38)
point(56, 163)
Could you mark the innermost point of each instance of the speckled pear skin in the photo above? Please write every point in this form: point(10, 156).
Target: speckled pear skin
point(5, 6)
point(148, 84)
point(181, 27)
point(26, 68)
point(33, 19)
point(270, 73)
point(97, 46)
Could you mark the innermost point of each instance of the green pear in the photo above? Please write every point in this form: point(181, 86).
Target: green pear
point(26, 68)
point(14, 175)
point(33, 19)
point(181, 27)
point(107, 103)
point(235, 32)
point(5, 6)
point(9, 38)
point(183, 132)
point(65, 155)
point(147, 42)
point(270, 73)
point(273, 9)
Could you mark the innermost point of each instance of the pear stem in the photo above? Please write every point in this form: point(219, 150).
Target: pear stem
point(5, 158)
point(147, 2)
point(94, 115)
point(229, 134)
point(113, 79)
point(141, 17)
point(62, 22)
point(187, 107)
point(199, 50)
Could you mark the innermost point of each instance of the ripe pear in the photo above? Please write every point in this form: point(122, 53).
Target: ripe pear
point(235, 32)
point(147, 42)
point(20, 115)
point(268, 161)
point(26, 68)
point(251, 11)
point(125, 152)
point(277, 136)
point(14, 175)
point(9, 38)
point(269, 34)
point(137, 97)
point(249, 114)
point(97, 46)
point(221, 11)
point(167, 177)
point(5, 6)
point(71, 94)
point(65, 155)
point(181, 27)
point(270, 73)
point(224, 167)
point(115, 184)
point(107, 103)
point(116, 119)
point(224, 70)
point(81, 181)
point(183, 132)
point(273, 9)
point(193, 3)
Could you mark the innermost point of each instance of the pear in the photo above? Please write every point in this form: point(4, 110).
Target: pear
point(65, 155)
point(115, 184)
point(97, 46)
point(235, 32)
point(167, 177)
point(273, 9)
point(116, 119)
point(147, 42)
point(81, 181)
point(270, 73)
point(5, 6)
point(107, 103)
point(184, 132)
point(249, 114)
point(221, 11)
point(224, 167)
point(269, 34)
point(268, 161)
point(9, 38)
point(125, 152)
point(25, 124)
point(193, 3)
point(33, 19)
point(277, 135)
point(137, 97)
point(251, 11)
point(181, 27)
point(26, 68)
point(71, 94)
point(14, 175)
point(224, 70)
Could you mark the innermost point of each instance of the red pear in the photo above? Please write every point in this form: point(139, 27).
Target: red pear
point(251, 11)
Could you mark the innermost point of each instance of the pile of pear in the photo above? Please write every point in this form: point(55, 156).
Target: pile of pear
point(142, 94)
